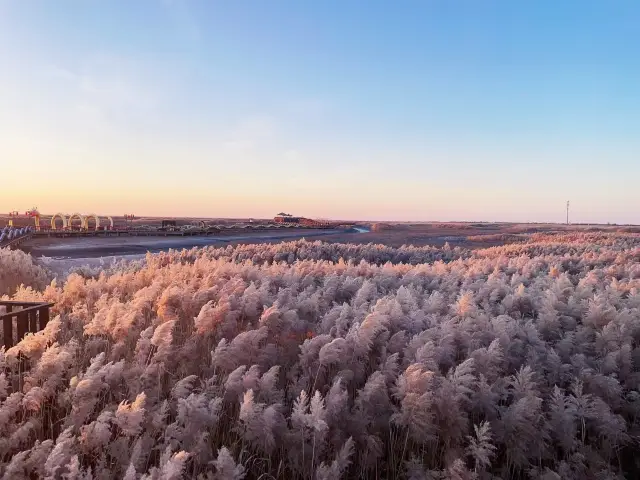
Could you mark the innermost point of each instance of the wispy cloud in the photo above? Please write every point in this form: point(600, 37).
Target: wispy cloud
point(106, 89)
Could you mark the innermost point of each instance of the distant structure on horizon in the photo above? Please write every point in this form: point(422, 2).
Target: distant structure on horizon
point(567, 212)
point(34, 216)
point(287, 218)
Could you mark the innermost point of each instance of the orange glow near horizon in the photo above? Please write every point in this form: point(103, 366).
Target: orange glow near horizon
point(403, 201)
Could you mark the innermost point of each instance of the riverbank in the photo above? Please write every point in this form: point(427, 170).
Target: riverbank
point(97, 247)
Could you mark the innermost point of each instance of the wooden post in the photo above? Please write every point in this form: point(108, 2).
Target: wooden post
point(30, 317)
point(8, 328)
point(43, 317)
point(23, 325)
point(33, 321)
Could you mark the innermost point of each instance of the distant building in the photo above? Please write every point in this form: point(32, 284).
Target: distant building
point(286, 218)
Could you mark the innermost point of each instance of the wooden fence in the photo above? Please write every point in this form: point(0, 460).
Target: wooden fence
point(15, 242)
point(29, 317)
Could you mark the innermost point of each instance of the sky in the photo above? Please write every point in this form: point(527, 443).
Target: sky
point(371, 110)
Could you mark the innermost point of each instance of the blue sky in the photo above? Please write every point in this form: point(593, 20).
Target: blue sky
point(426, 110)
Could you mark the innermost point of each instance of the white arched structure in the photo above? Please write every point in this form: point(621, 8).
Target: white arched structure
point(86, 221)
point(61, 216)
point(68, 219)
point(74, 216)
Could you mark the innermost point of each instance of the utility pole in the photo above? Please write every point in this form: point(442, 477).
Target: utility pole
point(567, 212)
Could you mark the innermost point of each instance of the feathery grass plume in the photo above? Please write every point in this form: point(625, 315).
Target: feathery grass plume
point(61, 453)
point(465, 305)
point(258, 425)
point(143, 348)
point(226, 467)
point(184, 387)
point(368, 331)
point(480, 448)
point(251, 378)
point(310, 352)
point(562, 419)
point(317, 415)
point(73, 469)
point(97, 434)
point(300, 409)
point(489, 360)
point(339, 466)
point(173, 468)
point(10, 407)
point(272, 318)
point(523, 383)
point(211, 315)
point(17, 268)
point(196, 412)
point(129, 416)
point(457, 470)
point(51, 371)
point(410, 352)
point(372, 404)
point(109, 318)
point(415, 414)
point(426, 354)
point(17, 467)
point(159, 415)
point(463, 380)
point(33, 345)
point(21, 436)
point(333, 352)
point(38, 455)
point(268, 386)
point(242, 350)
point(391, 368)
point(274, 426)
point(141, 451)
point(523, 431)
point(34, 399)
point(337, 404)
point(161, 339)
point(131, 473)
point(413, 380)
point(172, 302)
point(397, 342)
point(86, 392)
point(234, 385)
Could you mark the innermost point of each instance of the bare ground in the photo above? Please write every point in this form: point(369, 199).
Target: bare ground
point(94, 247)
point(470, 235)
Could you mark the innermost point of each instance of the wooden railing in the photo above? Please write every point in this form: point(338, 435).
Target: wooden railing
point(30, 317)
point(15, 242)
